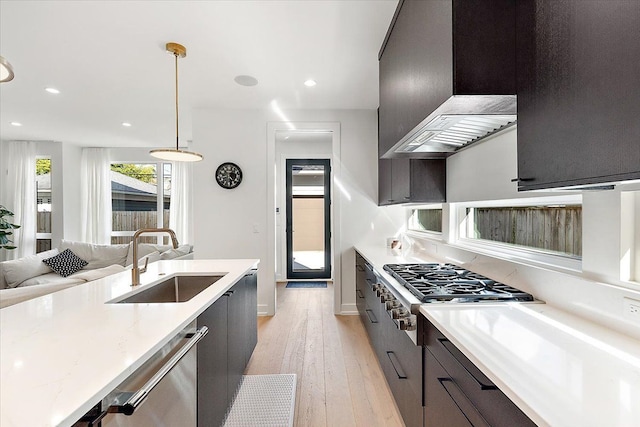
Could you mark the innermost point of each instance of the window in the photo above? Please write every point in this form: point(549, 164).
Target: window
point(43, 205)
point(554, 229)
point(140, 198)
point(426, 220)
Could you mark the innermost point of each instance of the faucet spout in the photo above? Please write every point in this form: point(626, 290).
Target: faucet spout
point(136, 270)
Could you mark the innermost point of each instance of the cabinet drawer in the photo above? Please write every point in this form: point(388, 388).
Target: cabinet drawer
point(401, 362)
point(466, 379)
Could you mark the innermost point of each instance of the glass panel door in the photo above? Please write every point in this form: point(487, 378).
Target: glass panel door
point(308, 219)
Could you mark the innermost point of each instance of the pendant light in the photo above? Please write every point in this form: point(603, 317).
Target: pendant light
point(176, 155)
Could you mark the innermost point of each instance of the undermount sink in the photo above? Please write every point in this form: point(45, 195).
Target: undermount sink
point(175, 289)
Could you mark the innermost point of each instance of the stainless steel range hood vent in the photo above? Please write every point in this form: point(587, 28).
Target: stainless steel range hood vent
point(458, 122)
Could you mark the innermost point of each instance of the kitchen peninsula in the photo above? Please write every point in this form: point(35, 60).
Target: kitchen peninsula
point(62, 353)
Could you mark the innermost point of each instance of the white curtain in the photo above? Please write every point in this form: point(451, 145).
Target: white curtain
point(95, 189)
point(18, 194)
point(180, 219)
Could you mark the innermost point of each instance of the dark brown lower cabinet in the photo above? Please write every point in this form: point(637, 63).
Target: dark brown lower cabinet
point(399, 357)
point(458, 394)
point(401, 362)
point(224, 353)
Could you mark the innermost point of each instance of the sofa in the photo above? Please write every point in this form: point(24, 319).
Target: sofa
point(30, 276)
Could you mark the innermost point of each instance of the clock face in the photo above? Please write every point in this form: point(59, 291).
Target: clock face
point(228, 175)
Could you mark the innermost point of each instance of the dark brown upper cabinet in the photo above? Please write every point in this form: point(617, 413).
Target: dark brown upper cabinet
point(578, 66)
point(435, 51)
point(411, 181)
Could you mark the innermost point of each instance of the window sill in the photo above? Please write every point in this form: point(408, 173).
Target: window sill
point(565, 264)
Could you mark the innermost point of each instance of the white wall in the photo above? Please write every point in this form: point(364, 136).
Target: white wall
point(224, 219)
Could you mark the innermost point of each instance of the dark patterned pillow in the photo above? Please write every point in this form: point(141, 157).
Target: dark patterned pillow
point(65, 263)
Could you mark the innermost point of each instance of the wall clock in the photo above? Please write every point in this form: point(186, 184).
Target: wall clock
point(228, 175)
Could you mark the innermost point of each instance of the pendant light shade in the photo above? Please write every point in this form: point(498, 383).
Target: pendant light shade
point(171, 154)
point(6, 70)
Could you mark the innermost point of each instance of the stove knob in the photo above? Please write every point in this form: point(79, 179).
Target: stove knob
point(386, 296)
point(392, 304)
point(406, 324)
point(400, 313)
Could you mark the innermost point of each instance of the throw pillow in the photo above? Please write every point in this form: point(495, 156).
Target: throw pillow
point(97, 256)
point(65, 263)
point(18, 270)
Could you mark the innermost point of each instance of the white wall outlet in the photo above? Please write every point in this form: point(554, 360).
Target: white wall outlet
point(632, 309)
point(255, 227)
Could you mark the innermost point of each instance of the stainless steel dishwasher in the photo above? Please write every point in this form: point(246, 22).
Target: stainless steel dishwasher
point(162, 392)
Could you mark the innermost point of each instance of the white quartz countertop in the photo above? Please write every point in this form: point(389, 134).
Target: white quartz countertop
point(559, 369)
point(62, 353)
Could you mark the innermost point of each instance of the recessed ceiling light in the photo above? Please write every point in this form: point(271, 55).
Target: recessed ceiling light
point(310, 83)
point(52, 90)
point(16, 124)
point(127, 125)
point(246, 80)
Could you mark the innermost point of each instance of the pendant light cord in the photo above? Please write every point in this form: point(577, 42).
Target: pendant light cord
point(177, 139)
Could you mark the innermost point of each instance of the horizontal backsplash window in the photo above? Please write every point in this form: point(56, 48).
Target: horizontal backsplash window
point(553, 229)
point(426, 220)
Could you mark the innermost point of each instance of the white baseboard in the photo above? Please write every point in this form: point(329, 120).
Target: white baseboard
point(348, 309)
point(263, 310)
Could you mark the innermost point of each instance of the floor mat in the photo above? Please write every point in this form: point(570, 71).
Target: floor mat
point(264, 400)
point(306, 284)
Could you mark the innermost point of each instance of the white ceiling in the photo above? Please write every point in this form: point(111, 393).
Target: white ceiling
point(108, 60)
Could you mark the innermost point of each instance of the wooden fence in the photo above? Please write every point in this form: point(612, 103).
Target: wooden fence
point(557, 229)
point(120, 221)
point(134, 220)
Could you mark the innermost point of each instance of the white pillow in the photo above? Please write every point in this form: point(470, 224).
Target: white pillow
point(97, 256)
point(175, 253)
point(18, 270)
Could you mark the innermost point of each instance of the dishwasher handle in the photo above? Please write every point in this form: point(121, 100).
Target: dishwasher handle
point(132, 400)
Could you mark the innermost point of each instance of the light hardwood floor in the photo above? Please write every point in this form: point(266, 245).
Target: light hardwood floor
point(339, 380)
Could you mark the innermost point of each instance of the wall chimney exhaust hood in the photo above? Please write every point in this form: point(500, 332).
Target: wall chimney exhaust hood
point(460, 121)
point(447, 76)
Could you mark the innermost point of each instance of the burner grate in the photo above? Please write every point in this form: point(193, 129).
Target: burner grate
point(448, 282)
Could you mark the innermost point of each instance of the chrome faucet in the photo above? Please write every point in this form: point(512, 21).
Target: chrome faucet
point(136, 270)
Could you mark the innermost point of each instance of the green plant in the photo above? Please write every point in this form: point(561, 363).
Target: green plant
point(6, 228)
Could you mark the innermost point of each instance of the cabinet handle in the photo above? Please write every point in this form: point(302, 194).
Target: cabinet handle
point(482, 384)
point(472, 414)
point(359, 293)
point(359, 267)
point(396, 365)
point(371, 316)
point(522, 179)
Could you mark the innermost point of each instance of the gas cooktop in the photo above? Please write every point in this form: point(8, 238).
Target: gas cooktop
point(450, 283)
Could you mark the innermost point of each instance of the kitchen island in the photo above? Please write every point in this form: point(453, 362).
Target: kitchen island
point(63, 352)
